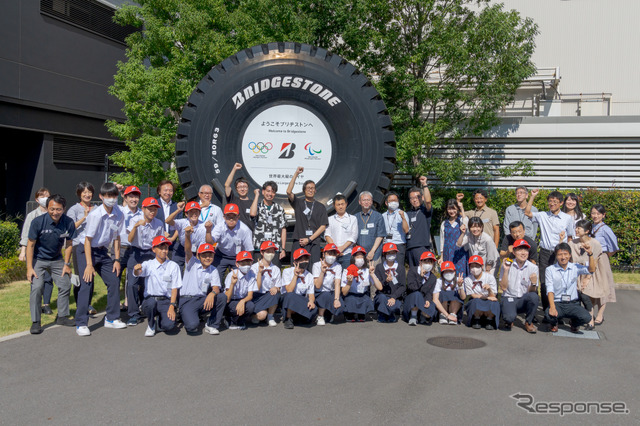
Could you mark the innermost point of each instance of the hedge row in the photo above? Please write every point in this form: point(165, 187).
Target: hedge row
point(623, 213)
point(9, 238)
point(11, 269)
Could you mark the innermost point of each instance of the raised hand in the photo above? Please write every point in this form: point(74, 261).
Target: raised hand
point(181, 205)
point(237, 166)
point(460, 278)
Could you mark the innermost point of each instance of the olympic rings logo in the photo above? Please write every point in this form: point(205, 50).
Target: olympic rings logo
point(260, 147)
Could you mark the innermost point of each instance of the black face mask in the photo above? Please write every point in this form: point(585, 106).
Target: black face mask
point(303, 265)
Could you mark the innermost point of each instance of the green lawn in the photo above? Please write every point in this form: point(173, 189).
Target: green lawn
point(14, 299)
point(626, 277)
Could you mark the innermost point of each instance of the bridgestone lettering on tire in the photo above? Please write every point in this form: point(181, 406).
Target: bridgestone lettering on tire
point(278, 106)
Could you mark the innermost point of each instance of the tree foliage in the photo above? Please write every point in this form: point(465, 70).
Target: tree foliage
point(443, 67)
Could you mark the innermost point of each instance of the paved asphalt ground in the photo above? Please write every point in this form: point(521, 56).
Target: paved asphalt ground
point(338, 374)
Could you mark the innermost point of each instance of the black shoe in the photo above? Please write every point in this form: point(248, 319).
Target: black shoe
point(475, 323)
point(589, 327)
point(288, 324)
point(361, 317)
point(35, 328)
point(489, 325)
point(66, 321)
point(507, 326)
point(46, 309)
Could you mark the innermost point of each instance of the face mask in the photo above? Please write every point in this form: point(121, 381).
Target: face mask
point(110, 202)
point(476, 271)
point(43, 202)
point(245, 269)
point(269, 256)
point(391, 257)
point(359, 262)
point(448, 276)
point(330, 259)
point(427, 267)
point(303, 265)
point(394, 205)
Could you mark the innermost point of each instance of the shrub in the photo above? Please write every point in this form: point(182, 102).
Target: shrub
point(9, 238)
point(11, 269)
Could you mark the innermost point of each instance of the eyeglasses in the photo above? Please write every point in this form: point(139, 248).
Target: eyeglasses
point(205, 193)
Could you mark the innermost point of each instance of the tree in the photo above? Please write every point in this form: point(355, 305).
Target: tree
point(444, 69)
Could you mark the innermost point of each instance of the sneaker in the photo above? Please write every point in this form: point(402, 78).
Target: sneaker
point(361, 317)
point(475, 323)
point(116, 323)
point(46, 309)
point(35, 328)
point(67, 322)
point(507, 326)
point(453, 322)
point(443, 319)
point(133, 321)
point(426, 320)
point(320, 320)
point(489, 325)
point(92, 310)
point(83, 330)
point(211, 330)
point(150, 332)
point(413, 321)
point(272, 323)
point(288, 324)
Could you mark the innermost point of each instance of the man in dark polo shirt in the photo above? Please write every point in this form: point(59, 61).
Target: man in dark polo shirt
point(419, 216)
point(517, 232)
point(242, 199)
point(311, 218)
point(47, 235)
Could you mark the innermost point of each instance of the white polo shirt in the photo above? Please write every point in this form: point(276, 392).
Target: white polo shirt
point(161, 277)
point(519, 279)
point(145, 233)
point(104, 227)
point(245, 284)
point(197, 280)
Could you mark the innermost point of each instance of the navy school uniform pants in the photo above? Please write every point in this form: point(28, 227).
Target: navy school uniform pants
point(512, 306)
point(192, 306)
point(76, 270)
point(232, 314)
point(158, 306)
point(222, 262)
point(135, 285)
point(572, 310)
point(178, 255)
point(103, 265)
point(380, 303)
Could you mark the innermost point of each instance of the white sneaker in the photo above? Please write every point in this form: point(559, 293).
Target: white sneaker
point(116, 323)
point(320, 320)
point(453, 322)
point(443, 319)
point(83, 330)
point(211, 330)
point(272, 323)
point(150, 332)
point(413, 321)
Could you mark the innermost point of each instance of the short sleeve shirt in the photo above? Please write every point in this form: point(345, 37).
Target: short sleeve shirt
point(304, 284)
point(161, 277)
point(198, 235)
point(271, 277)
point(245, 284)
point(50, 237)
point(76, 212)
point(269, 224)
point(129, 218)
point(198, 280)
point(232, 241)
point(245, 209)
point(145, 233)
point(419, 227)
point(309, 217)
point(370, 227)
point(360, 284)
point(489, 218)
point(104, 227)
point(474, 286)
point(519, 279)
point(328, 281)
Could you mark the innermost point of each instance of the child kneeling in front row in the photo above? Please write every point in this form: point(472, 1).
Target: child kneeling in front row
point(161, 287)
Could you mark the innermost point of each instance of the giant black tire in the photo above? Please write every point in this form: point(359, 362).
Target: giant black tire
point(210, 134)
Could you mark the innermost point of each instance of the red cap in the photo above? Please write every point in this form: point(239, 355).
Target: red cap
point(192, 205)
point(132, 189)
point(476, 259)
point(521, 243)
point(358, 249)
point(243, 255)
point(206, 248)
point(160, 239)
point(299, 253)
point(428, 255)
point(389, 247)
point(330, 247)
point(231, 208)
point(150, 202)
point(447, 266)
point(268, 245)
point(353, 270)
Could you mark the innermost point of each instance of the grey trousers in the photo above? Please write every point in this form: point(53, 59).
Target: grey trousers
point(54, 267)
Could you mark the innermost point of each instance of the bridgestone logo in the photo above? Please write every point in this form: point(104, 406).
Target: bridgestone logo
point(286, 81)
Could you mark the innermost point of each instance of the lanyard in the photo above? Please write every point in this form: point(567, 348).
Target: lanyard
point(362, 219)
point(391, 226)
point(203, 218)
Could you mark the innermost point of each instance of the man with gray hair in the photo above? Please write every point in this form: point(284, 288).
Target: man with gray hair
point(515, 213)
point(371, 230)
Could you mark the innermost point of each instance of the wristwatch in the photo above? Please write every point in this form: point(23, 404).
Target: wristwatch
point(174, 304)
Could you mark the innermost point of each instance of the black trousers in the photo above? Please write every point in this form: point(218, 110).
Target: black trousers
point(547, 258)
point(572, 310)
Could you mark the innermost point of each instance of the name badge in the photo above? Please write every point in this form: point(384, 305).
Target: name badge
point(510, 299)
point(395, 280)
point(565, 298)
point(454, 225)
point(413, 219)
point(65, 235)
point(371, 225)
point(364, 232)
point(486, 220)
point(247, 211)
point(309, 233)
point(306, 211)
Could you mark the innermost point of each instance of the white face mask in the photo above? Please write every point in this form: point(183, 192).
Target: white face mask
point(110, 202)
point(244, 269)
point(427, 267)
point(329, 259)
point(391, 257)
point(393, 205)
point(269, 256)
point(43, 202)
point(476, 270)
point(449, 276)
point(359, 262)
